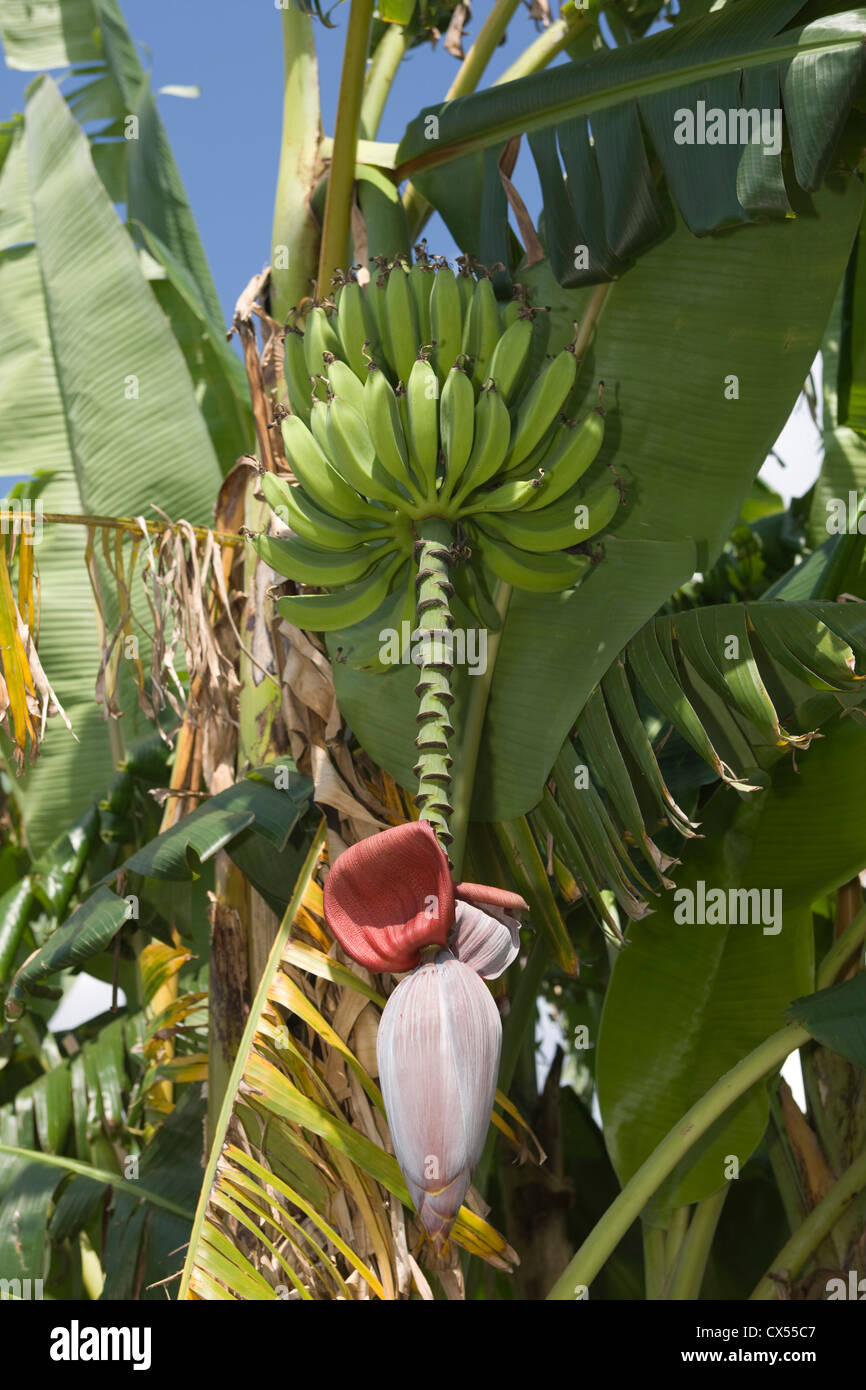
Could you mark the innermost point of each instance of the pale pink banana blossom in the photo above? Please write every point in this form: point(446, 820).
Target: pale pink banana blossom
point(390, 902)
point(438, 1055)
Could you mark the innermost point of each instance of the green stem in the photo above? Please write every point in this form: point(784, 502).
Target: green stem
point(674, 1237)
point(341, 179)
point(609, 1231)
point(489, 38)
point(470, 733)
point(818, 1224)
point(295, 239)
point(692, 1263)
point(549, 44)
point(384, 65)
point(434, 625)
point(653, 1261)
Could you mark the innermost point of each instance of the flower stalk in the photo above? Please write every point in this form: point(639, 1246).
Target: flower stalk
point(435, 624)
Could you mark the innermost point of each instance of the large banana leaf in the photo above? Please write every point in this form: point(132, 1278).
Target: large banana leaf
point(141, 172)
point(672, 332)
point(79, 325)
point(735, 58)
point(700, 997)
point(296, 1202)
point(93, 33)
point(54, 34)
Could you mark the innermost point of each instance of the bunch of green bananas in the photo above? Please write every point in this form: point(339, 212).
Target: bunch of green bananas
point(411, 399)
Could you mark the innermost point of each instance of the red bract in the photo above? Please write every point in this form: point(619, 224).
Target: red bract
point(390, 895)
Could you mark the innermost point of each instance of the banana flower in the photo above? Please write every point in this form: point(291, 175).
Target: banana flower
point(391, 904)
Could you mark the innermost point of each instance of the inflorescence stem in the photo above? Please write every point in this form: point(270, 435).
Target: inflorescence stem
point(434, 624)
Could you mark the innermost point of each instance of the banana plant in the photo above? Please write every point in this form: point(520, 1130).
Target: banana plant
point(497, 629)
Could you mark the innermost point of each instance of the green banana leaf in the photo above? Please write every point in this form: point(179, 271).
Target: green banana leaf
point(93, 33)
point(65, 1148)
point(142, 174)
point(700, 997)
point(833, 510)
point(65, 406)
point(603, 195)
point(837, 1018)
point(670, 337)
point(61, 34)
point(253, 819)
point(852, 384)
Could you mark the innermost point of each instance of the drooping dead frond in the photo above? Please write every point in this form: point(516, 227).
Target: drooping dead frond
point(27, 698)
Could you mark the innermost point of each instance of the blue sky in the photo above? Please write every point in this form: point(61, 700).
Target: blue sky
point(226, 141)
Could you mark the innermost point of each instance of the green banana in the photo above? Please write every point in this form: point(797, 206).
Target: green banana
point(421, 283)
point(333, 612)
point(319, 338)
point(482, 329)
point(319, 480)
point(309, 564)
point(596, 508)
point(507, 497)
point(490, 446)
point(457, 422)
point(541, 405)
point(356, 326)
point(540, 574)
point(353, 454)
point(402, 321)
point(466, 287)
point(297, 377)
point(343, 382)
point(382, 415)
point(361, 647)
point(569, 456)
point(422, 398)
point(565, 523)
point(319, 426)
point(300, 513)
point(403, 410)
point(511, 312)
point(376, 293)
point(446, 321)
point(510, 357)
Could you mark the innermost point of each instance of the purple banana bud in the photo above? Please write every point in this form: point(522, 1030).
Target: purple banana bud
point(438, 1056)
